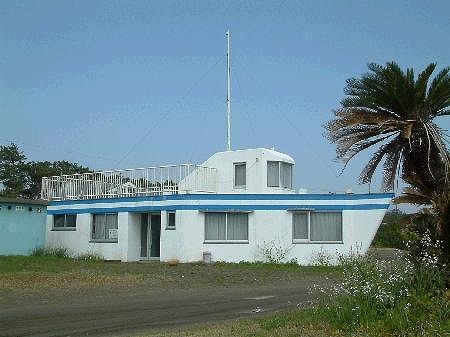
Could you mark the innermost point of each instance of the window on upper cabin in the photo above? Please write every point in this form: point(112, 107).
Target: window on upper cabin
point(170, 220)
point(104, 227)
point(226, 226)
point(240, 175)
point(64, 221)
point(311, 226)
point(279, 174)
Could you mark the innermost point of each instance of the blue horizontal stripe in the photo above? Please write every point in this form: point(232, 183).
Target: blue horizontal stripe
point(95, 210)
point(237, 197)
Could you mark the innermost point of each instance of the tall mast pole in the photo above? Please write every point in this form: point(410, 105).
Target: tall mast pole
point(228, 93)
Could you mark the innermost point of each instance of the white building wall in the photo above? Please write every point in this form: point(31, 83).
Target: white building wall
point(78, 241)
point(186, 243)
point(268, 229)
point(170, 238)
point(363, 231)
point(133, 245)
point(188, 238)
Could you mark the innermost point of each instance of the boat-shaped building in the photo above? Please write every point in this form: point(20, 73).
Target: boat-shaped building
point(237, 206)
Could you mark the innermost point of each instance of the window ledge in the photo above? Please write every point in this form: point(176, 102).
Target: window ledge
point(63, 229)
point(317, 242)
point(103, 241)
point(170, 228)
point(225, 242)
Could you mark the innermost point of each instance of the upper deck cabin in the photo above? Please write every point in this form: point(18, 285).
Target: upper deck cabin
point(241, 171)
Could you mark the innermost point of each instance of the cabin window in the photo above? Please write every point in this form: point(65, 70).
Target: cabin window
point(279, 174)
point(170, 220)
point(104, 227)
point(240, 175)
point(226, 226)
point(310, 226)
point(64, 221)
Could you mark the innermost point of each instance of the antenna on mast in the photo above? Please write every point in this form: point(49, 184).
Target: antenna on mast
point(228, 93)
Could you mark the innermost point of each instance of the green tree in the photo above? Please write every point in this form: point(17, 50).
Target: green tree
point(390, 234)
point(24, 179)
point(392, 110)
point(12, 171)
point(37, 170)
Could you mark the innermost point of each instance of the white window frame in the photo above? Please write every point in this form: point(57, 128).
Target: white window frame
point(226, 228)
point(308, 239)
point(235, 165)
point(116, 240)
point(65, 227)
point(168, 225)
point(280, 174)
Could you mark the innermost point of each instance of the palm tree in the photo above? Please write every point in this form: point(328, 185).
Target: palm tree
point(392, 110)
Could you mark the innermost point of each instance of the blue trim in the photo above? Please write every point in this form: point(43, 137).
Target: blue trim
point(142, 209)
point(236, 196)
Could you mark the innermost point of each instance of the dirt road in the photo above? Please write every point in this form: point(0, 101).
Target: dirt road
point(106, 315)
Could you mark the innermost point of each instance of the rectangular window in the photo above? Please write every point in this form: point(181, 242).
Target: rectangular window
point(301, 226)
point(240, 175)
point(64, 221)
point(226, 227)
point(273, 176)
point(279, 174)
point(104, 227)
point(170, 220)
point(317, 226)
point(286, 175)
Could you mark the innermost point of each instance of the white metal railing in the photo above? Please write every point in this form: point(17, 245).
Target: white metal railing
point(163, 180)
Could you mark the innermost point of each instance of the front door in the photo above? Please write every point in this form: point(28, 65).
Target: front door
point(150, 235)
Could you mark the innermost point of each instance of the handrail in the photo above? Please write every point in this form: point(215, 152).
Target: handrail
point(149, 181)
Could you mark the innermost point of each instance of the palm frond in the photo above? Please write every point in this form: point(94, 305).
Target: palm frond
point(368, 171)
point(389, 108)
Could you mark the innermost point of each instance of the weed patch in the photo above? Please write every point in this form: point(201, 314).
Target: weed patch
point(395, 298)
point(61, 252)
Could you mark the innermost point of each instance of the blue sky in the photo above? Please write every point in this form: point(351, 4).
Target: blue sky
point(119, 84)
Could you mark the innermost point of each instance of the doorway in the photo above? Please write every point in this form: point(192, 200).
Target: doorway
point(150, 236)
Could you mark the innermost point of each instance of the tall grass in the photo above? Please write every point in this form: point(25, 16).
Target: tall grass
point(60, 252)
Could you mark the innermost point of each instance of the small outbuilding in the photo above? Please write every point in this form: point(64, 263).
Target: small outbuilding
point(22, 225)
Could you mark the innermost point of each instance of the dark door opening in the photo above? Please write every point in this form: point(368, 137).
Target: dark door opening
point(155, 223)
point(150, 235)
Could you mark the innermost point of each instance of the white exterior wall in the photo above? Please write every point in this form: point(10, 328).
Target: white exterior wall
point(361, 218)
point(132, 248)
point(273, 228)
point(256, 166)
point(170, 238)
point(79, 241)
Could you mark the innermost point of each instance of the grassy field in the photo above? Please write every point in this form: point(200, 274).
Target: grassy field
point(58, 274)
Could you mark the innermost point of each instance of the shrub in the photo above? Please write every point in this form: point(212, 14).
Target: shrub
point(90, 257)
point(320, 259)
point(390, 233)
point(60, 252)
point(274, 251)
